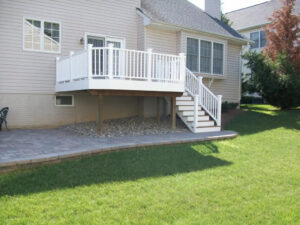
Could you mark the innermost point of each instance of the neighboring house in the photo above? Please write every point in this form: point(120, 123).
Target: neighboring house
point(250, 23)
point(59, 58)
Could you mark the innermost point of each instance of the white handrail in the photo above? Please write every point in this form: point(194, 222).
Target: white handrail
point(118, 63)
point(211, 103)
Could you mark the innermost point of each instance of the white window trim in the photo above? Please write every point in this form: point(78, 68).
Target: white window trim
point(73, 102)
point(259, 44)
point(41, 35)
point(105, 37)
point(212, 56)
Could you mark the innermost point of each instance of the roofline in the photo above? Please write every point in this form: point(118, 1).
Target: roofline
point(159, 23)
point(249, 6)
point(240, 40)
point(252, 27)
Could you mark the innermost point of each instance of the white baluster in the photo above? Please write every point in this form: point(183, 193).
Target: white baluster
point(195, 112)
point(219, 110)
point(149, 63)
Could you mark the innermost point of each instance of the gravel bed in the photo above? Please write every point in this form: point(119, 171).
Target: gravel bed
point(128, 127)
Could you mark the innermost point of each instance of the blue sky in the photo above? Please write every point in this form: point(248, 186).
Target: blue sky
point(230, 5)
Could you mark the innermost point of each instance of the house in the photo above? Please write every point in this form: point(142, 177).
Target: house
point(250, 23)
point(65, 62)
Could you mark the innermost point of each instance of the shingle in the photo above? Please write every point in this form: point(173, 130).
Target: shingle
point(185, 14)
point(256, 15)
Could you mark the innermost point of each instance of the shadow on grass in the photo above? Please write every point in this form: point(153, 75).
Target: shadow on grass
point(113, 167)
point(261, 118)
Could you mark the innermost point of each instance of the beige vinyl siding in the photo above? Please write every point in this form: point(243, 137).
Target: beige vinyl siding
point(141, 34)
point(230, 86)
point(161, 41)
point(34, 72)
point(39, 110)
point(27, 78)
point(227, 85)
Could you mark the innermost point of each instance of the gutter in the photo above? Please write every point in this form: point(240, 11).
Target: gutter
point(252, 27)
point(148, 21)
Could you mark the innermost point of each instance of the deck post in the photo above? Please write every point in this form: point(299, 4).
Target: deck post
point(182, 66)
point(196, 99)
point(158, 109)
point(100, 114)
point(71, 72)
point(219, 110)
point(90, 60)
point(149, 63)
point(110, 60)
point(173, 112)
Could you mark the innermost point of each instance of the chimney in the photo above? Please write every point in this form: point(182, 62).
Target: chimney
point(213, 8)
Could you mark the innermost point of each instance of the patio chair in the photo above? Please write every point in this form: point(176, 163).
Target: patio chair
point(3, 115)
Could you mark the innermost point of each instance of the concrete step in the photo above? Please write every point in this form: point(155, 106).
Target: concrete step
point(203, 124)
point(184, 98)
point(184, 103)
point(207, 129)
point(187, 108)
point(191, 113)
point(200, 118)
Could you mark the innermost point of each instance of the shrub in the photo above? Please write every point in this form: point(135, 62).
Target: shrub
point(251, 100)
point(277, 81)
point(226, 106)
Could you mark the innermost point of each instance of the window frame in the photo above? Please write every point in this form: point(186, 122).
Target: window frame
point(73, 102)
point(41, 35)
point(212, 41)
point(259, 39)
point(106, 38)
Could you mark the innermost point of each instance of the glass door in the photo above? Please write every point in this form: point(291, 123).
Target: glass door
point(118, 57)
point(97, 55)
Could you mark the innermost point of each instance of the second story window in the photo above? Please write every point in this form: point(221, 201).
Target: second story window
point(206, 57)
point(259, 38)
point(41, 35)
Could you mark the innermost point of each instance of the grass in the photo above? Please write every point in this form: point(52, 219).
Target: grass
point(253, 179)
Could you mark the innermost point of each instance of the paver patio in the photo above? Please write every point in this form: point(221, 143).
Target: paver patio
point(21, 147)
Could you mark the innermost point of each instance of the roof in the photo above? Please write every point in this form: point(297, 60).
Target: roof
point(184, 14)
point(256, 15)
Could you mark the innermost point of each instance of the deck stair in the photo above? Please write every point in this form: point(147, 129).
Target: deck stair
point(198, 107)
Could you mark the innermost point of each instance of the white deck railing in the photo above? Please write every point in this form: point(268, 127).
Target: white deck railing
point(116, 63)
point(211, 103)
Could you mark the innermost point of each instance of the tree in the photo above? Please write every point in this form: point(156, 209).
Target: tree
point(276, 71)
point(283, 34)
point(225, 20)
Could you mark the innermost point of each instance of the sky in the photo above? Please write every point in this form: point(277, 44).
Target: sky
point(230, 5)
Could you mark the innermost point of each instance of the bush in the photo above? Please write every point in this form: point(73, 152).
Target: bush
point(251, 100)
point(277, 82)
point(226, 106)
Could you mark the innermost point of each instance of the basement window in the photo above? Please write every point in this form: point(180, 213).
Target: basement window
point(64, 100)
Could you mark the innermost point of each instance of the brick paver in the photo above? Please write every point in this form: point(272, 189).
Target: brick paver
point(19, 147)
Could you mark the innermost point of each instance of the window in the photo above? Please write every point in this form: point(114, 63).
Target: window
point(41, 35)
point(64, 100)
point(205, 56)
point(218, 58)
point(263, 39)
point(259, 39)
point(192, 54)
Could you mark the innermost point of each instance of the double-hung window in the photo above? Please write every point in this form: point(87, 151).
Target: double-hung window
point(259, 39)
point(205, 56)
point(40, 35)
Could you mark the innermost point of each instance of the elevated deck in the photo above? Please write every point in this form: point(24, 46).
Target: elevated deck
point(109, 68)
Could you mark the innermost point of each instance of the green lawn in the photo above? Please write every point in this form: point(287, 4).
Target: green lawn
point(253, 179)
